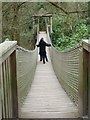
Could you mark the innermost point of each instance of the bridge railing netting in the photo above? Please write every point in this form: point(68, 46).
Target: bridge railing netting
point(26, 65)
point(66, 67)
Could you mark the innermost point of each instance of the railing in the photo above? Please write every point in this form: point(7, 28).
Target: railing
point(73, 71)
point(71, 67)
point(26, 65)
point(66, 67)
point(8, 80)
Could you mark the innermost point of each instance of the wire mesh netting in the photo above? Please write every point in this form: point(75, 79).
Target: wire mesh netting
point(26, 65)
point(67, 67)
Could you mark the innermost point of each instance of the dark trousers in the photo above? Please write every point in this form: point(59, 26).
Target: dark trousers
point(43, 57)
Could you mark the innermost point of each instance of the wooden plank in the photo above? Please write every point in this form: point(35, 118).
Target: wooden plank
point(0, 95)
point(86, 45)
point(89, 87)
point(6, 48)
point(3, 93)
point(14, 85)
point(5, 89)
point(86, 77)
point(80, 94)
point(85, 81)
point(9, 89)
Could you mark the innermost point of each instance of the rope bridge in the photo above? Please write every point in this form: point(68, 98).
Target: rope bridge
point(67, 67)
point(72, 68)
point(46, 97)
point(65, 64)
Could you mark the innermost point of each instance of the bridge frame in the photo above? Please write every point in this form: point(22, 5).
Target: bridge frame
point(46, 15)
point(8, 74)
point(8, 80)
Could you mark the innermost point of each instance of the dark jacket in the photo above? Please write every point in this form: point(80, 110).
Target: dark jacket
point(42, 47)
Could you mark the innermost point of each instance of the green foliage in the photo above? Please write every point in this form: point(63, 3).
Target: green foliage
point(66, 35)
point(67, 31)
point(28, 39)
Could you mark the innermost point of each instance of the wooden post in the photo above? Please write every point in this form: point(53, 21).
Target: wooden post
point(8, 83)
point(0, 97)
point(89, 87)
point(38, 24)
point(46, 23)
point(84, 80)
point(80, 95)
point(14, 85)
point(51, 24)
point(33, 22)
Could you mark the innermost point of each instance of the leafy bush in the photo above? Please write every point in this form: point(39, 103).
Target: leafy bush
point(64, 37)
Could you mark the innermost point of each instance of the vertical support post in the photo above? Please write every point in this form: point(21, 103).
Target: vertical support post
point(38, 24)
point(84, 81)
point(46, 23)
point(33, 22)
point(89, 87)
point(83, 99)
point(80, 95)
point(0, 97)
point(89, 61)
point(0, 64)
point(14, 85)
point(51, 24)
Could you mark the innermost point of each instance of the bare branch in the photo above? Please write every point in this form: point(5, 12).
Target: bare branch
point(59, 7)
point(69, 12)
point(21, 4)
point(82, 11)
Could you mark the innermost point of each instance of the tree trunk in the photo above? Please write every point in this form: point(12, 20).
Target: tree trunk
point(15, 24)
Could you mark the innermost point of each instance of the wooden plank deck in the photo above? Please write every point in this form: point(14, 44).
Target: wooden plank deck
point(46, 98)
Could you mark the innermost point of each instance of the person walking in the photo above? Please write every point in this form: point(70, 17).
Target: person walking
point(42, 50)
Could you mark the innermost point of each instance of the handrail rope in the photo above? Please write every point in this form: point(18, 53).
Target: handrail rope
point(66, 67)
point(25, 50)
point(26, 65)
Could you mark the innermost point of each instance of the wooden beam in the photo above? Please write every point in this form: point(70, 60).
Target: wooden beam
point(14, 85)
point(84, 79)
point(6, 48)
